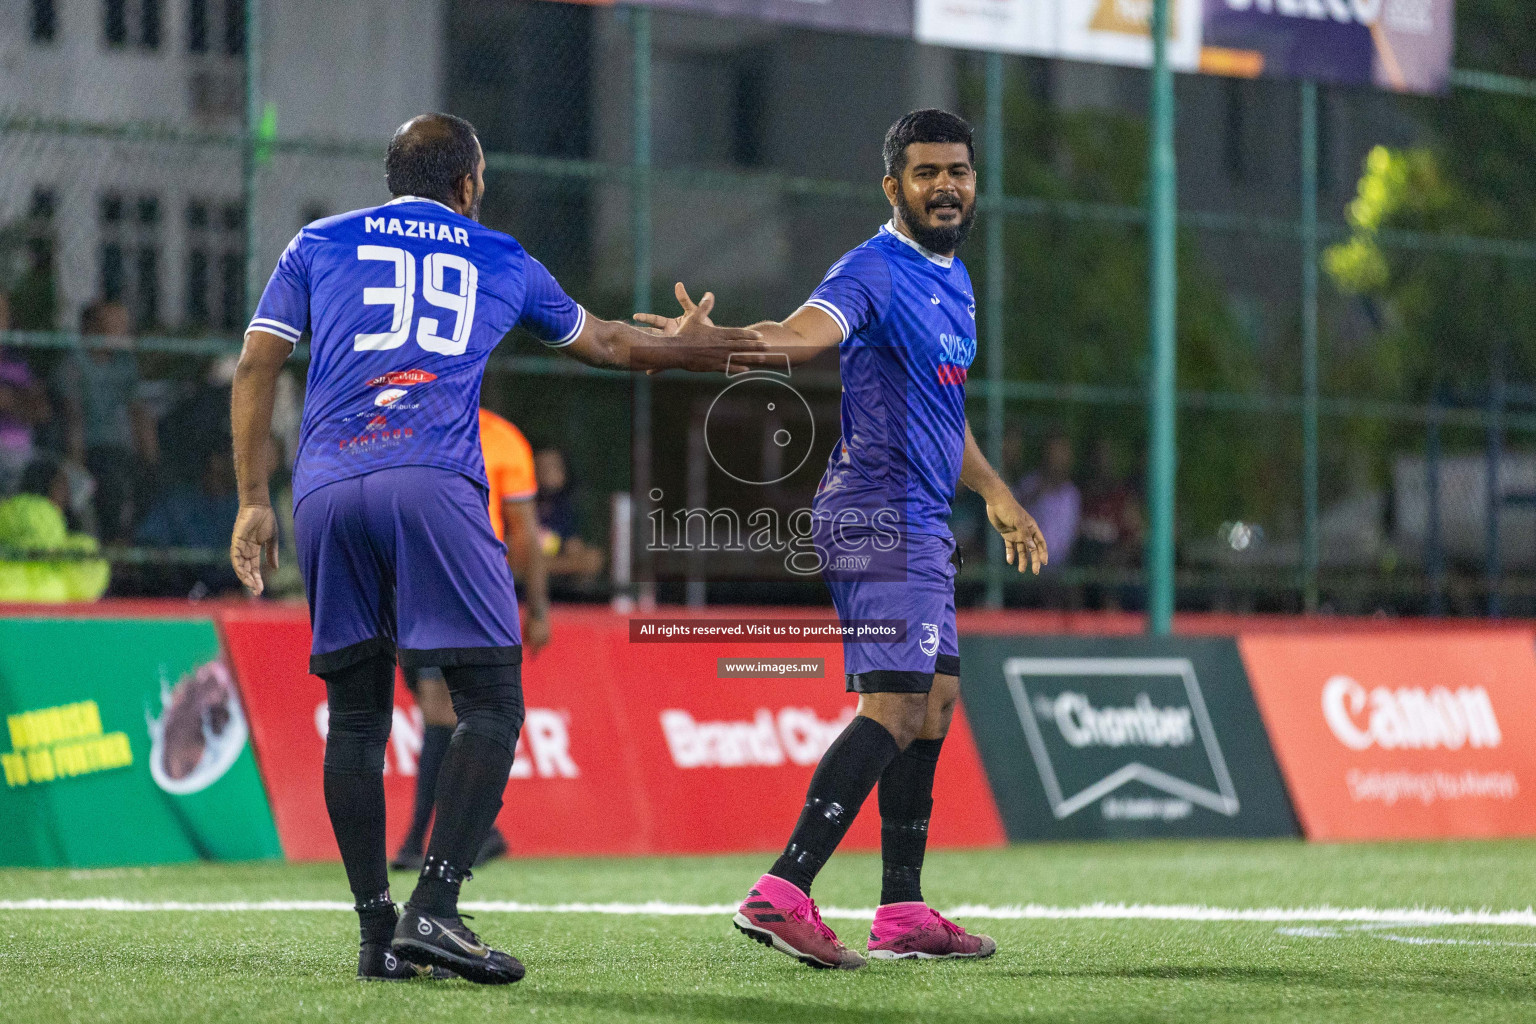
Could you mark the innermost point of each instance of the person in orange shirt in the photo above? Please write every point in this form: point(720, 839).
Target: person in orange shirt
point(509, 472)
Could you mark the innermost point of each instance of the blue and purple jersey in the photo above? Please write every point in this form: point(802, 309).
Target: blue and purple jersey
point(908, 319)
point(403, 304)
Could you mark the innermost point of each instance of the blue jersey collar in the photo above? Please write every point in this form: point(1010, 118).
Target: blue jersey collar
point(418, 199)
point(926, 253)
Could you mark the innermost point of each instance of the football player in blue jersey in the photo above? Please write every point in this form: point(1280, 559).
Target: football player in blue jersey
point(403, 304)
point(902, 312)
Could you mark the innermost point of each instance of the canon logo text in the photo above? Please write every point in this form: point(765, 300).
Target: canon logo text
point(1409, 718)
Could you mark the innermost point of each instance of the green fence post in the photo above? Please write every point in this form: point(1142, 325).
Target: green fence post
point(252, 74)
point(992, 190)
point(1162, 226)
point(1309, 437)
point(640, 233)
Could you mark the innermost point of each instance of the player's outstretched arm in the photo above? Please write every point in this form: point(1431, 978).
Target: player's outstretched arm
point(693, 343)
point(804, 335)
point(1023, 543)
point(250, 417)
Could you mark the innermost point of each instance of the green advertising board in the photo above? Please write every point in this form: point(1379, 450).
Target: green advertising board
point(124, 742)
point(1124, 737)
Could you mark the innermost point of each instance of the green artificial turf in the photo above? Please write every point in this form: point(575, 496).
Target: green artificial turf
point(259, 966)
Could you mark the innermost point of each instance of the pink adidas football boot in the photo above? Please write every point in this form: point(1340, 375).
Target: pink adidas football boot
point(914, 930)
point(779, 915)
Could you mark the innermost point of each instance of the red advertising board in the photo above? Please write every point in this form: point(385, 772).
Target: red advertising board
point(628, 748)
point(1402, 735)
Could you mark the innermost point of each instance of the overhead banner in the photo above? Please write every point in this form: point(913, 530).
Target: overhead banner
point(628, 747)
point(1395, 736)
point(873, 17)
point(1107, 31)
point(125, 742)
point(1402, 45)
point(1091, 737)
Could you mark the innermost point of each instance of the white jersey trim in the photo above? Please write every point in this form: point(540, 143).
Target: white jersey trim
point(832, 311)
point(573, 333)
point(928, 254)
point(269, 326)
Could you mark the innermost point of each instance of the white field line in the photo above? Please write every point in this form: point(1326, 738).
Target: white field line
point(1032, 912)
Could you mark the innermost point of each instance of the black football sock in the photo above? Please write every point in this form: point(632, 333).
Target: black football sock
point(360, 709)
point(377, 918)
point(489, 703)
point(846, 774)
point(434, 745)
point(906, 801)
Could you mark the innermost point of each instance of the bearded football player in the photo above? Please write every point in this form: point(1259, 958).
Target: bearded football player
point(902, 312)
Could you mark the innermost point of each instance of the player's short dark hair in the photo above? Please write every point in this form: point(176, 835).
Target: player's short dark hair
point(429, 155)
point(928, 125)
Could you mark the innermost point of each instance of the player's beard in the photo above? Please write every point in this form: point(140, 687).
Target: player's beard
point(941, 239)
point(474, 204)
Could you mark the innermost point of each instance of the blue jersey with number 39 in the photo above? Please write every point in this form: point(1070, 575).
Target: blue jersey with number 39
point(403, 303)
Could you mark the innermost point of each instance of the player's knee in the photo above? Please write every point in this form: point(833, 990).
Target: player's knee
point(359, 712)
point(355, 739)
point(488, 700)
point(911, 712)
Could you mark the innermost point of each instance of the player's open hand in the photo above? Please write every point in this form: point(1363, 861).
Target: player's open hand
point(1023, 544)
point(255, 535)
point(709, 347)
point(668, 326)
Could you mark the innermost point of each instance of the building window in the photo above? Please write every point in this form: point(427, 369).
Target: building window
point(45, 21)
point(149, 25)
point(216, 26)
point(114, 18)
point(215, 283)
point(130, 255)
point(137, 21)
point(234, 27)
point(197, 26)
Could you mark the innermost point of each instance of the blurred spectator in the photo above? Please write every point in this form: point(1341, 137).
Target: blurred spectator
point(23, 406)
point(107, 428)
point(566, 552)
point(68, 486)
point(1052, 498)
point(197, 515)
point(1111, 532)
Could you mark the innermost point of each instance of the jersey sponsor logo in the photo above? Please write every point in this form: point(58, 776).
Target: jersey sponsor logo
point(949, 374)
point(425, 229)
point(929, 644)
point(389, 396)
point(957, 349)
point(372, 438)
point(1409, 718)
point(794, 735)
point(402, 377)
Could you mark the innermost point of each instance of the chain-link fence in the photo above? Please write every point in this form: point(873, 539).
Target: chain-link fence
point(158, 156)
